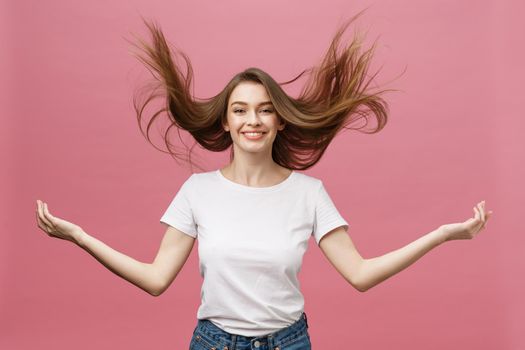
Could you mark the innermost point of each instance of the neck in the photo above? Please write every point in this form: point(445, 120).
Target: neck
point(255, 172)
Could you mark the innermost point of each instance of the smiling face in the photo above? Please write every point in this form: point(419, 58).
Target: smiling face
point(250, 109)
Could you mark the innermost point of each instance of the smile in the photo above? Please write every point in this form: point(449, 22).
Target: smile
point(253, 135)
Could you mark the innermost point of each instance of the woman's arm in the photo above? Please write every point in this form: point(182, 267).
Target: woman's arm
point(363, 274)
point(153, 278)
point(138, 273)
point(375, 270)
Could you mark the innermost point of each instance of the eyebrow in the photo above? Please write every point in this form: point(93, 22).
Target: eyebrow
point(244, 103)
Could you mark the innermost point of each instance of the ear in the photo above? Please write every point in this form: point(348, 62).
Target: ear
point(282, 125)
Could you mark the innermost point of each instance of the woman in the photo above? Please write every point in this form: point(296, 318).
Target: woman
point(254, 216)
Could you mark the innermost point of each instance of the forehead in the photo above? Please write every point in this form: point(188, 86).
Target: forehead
point(249, 92)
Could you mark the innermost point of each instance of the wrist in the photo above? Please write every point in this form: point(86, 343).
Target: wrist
point(79, 237)
point(443, 234)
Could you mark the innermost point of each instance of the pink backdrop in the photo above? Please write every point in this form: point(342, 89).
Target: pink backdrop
point(69, 137)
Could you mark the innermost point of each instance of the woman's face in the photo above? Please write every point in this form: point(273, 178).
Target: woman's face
point(250, 109)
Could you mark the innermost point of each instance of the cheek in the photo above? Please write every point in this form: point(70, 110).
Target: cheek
point(234, 123)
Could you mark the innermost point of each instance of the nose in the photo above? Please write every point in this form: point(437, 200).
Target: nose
point(253, 118)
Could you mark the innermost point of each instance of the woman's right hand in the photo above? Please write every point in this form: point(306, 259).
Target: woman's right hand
point(56, 227)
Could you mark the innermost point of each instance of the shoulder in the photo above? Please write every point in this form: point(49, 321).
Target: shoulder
point(203, 180)
point(204, 176)
point(308, 183)
point(307, 180)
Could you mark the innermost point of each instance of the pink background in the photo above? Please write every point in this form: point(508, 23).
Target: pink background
point(69, 137)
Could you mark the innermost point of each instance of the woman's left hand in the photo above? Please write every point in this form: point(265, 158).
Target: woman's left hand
point(470, 228)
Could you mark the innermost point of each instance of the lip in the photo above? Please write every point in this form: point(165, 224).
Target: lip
point(253, 138)
point(243, 132)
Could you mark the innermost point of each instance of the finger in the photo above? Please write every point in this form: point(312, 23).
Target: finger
point(476, 214)
point(39, 221)
point(484, 223)
point(478, 223)
point(46, 213)
point(481, 212)
point(483, 215)
point(42, 216)
point(42, 225)
point(49, 217)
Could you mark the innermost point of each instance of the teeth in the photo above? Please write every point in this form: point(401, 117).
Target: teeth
point(253, 133)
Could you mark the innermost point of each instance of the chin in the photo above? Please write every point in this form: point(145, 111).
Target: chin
point(252, 148)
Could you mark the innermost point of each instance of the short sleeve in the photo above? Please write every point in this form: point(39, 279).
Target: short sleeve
point(179, 213)
point(327, 216)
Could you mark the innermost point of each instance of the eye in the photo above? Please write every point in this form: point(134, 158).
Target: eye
point(268, 110)
point(237, 110)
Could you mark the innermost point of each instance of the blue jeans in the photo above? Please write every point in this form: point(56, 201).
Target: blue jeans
point(208, 336)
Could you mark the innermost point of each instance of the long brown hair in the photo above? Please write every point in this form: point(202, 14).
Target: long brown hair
point(335, 96)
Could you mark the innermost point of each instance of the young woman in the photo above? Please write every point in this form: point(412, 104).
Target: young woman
point(254, 216)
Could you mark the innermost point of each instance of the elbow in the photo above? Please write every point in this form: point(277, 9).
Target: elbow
point(156, 291)
point(358, 285)
point(156, 284)
point(361, 287)
point(359, 282)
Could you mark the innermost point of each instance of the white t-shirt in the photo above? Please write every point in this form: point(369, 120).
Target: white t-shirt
point(251, 246)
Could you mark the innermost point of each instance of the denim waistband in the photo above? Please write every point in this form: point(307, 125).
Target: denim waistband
point(224, 340)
